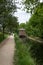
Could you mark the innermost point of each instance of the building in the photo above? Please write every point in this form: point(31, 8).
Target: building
point(22, 33)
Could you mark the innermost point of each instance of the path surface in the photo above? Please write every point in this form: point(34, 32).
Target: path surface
point(7, 51)
point(36, 40)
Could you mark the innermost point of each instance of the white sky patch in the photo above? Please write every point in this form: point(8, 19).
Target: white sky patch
point(22, 16)
point(18, 1)
point(41, 0)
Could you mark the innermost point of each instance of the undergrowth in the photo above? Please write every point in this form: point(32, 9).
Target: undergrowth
point(22, 54)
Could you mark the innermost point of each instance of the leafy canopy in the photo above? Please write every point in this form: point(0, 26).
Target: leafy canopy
point(30, 5)
point(35, 24)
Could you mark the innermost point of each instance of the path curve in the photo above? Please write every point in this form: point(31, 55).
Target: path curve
point(7, 52)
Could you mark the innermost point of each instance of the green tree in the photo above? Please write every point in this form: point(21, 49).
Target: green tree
point(22, 25)
point(30, 5)
point(12, 24)
point(6, 8)
point(35, 24)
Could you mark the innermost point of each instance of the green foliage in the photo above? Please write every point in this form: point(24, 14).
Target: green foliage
point(31, 1)
point(22, 25)
point(22, 55)
point(30, 5)
point(12, 23)
point(7, 6)
point(35, 24)
point(36, 50)
point(7, 21)
point(1, 37)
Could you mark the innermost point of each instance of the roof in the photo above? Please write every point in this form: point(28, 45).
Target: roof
point(21, 29)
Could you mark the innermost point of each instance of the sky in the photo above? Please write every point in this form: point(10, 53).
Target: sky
point(20, 14)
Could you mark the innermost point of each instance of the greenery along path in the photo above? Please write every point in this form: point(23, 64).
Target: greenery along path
point(7, 51)
point(35, 39)
point(22, 54)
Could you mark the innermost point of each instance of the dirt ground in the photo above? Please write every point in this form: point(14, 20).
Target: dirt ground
point(7, 51)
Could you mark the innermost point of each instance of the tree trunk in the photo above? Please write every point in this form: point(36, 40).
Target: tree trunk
point(3, 32)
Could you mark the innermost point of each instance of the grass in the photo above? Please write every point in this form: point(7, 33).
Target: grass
point(22, 54)
point(1, 37)
point(36, 50)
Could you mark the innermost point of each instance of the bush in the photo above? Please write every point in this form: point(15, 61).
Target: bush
point(36, 50)
point(22, 55)
point(1, 37)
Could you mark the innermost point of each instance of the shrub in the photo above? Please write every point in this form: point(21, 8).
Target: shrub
point(22, 55)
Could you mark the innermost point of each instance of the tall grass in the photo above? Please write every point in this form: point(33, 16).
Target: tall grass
point(1, 37)
point(22, 54)
point(36, 50)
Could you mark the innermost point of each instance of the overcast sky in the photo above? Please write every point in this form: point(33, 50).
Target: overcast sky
point(22, 15)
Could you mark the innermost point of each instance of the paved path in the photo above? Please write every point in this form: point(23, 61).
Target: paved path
point(7, 51)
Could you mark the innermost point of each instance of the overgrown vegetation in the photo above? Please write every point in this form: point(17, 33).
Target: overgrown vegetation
point(36, 50)
point(28, 53)
point(8, 22)
point(35, 25)
point(1, 37)
point(22, 54)
point(34, 28)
